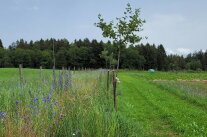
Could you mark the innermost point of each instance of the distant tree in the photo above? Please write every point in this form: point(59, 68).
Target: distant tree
point(132, 59)
point(194, 65)
point(36, 57)
point(21, 44)
point(21, 56)
point(1, 44)
point(200, 55)
point(84, 57)
point(13, 46)
point(5, 60)
point(86, 42)
point(95, 50)
point(61, 58)
point(124, 31)
point(2, 54)
point(181, 62)
point(31, 43)
point(46, 59)
point(205, 56)
point(105, 55)
point(176, 62)
point(161, 58)
point(73, 56)
point(150, 54)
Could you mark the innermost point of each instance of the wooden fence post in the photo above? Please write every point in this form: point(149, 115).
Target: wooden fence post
point(114, 89)
point(54, 78)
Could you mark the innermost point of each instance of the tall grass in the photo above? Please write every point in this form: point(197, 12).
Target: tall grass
point(60, 104)
point(194, 93)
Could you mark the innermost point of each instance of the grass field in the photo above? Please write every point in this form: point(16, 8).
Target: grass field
point(165, 103)
point(78, 104)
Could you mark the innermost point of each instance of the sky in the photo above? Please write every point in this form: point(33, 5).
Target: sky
point(180, 25)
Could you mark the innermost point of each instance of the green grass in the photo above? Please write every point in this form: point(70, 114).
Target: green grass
point(193, 92)
point(149, 104)
point(38, 109)
point(171, 75)
point(157, 110)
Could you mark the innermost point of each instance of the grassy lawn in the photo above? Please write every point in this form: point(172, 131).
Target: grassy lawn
point(160, 110)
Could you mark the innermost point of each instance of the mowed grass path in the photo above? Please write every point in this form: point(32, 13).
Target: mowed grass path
point(156, 111)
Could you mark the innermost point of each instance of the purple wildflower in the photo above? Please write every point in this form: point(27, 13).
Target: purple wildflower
point(18, 102)
point(2, 115)
point(35, 100)
point(46, 99)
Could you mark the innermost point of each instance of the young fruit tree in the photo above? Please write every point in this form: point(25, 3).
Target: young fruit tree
point(123, 30)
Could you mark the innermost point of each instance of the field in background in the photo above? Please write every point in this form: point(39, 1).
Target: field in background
point(78, 104)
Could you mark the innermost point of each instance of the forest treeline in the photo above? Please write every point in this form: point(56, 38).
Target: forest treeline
point(96, 54)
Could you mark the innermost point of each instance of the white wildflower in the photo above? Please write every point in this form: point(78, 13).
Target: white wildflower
point(117, 79)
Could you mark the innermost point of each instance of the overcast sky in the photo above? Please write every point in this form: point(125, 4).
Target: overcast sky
point(180, 25)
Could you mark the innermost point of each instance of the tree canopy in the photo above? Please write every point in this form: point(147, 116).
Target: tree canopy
point(123, 30)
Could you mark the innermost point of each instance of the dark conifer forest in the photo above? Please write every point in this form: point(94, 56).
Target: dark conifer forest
point(96, 54)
